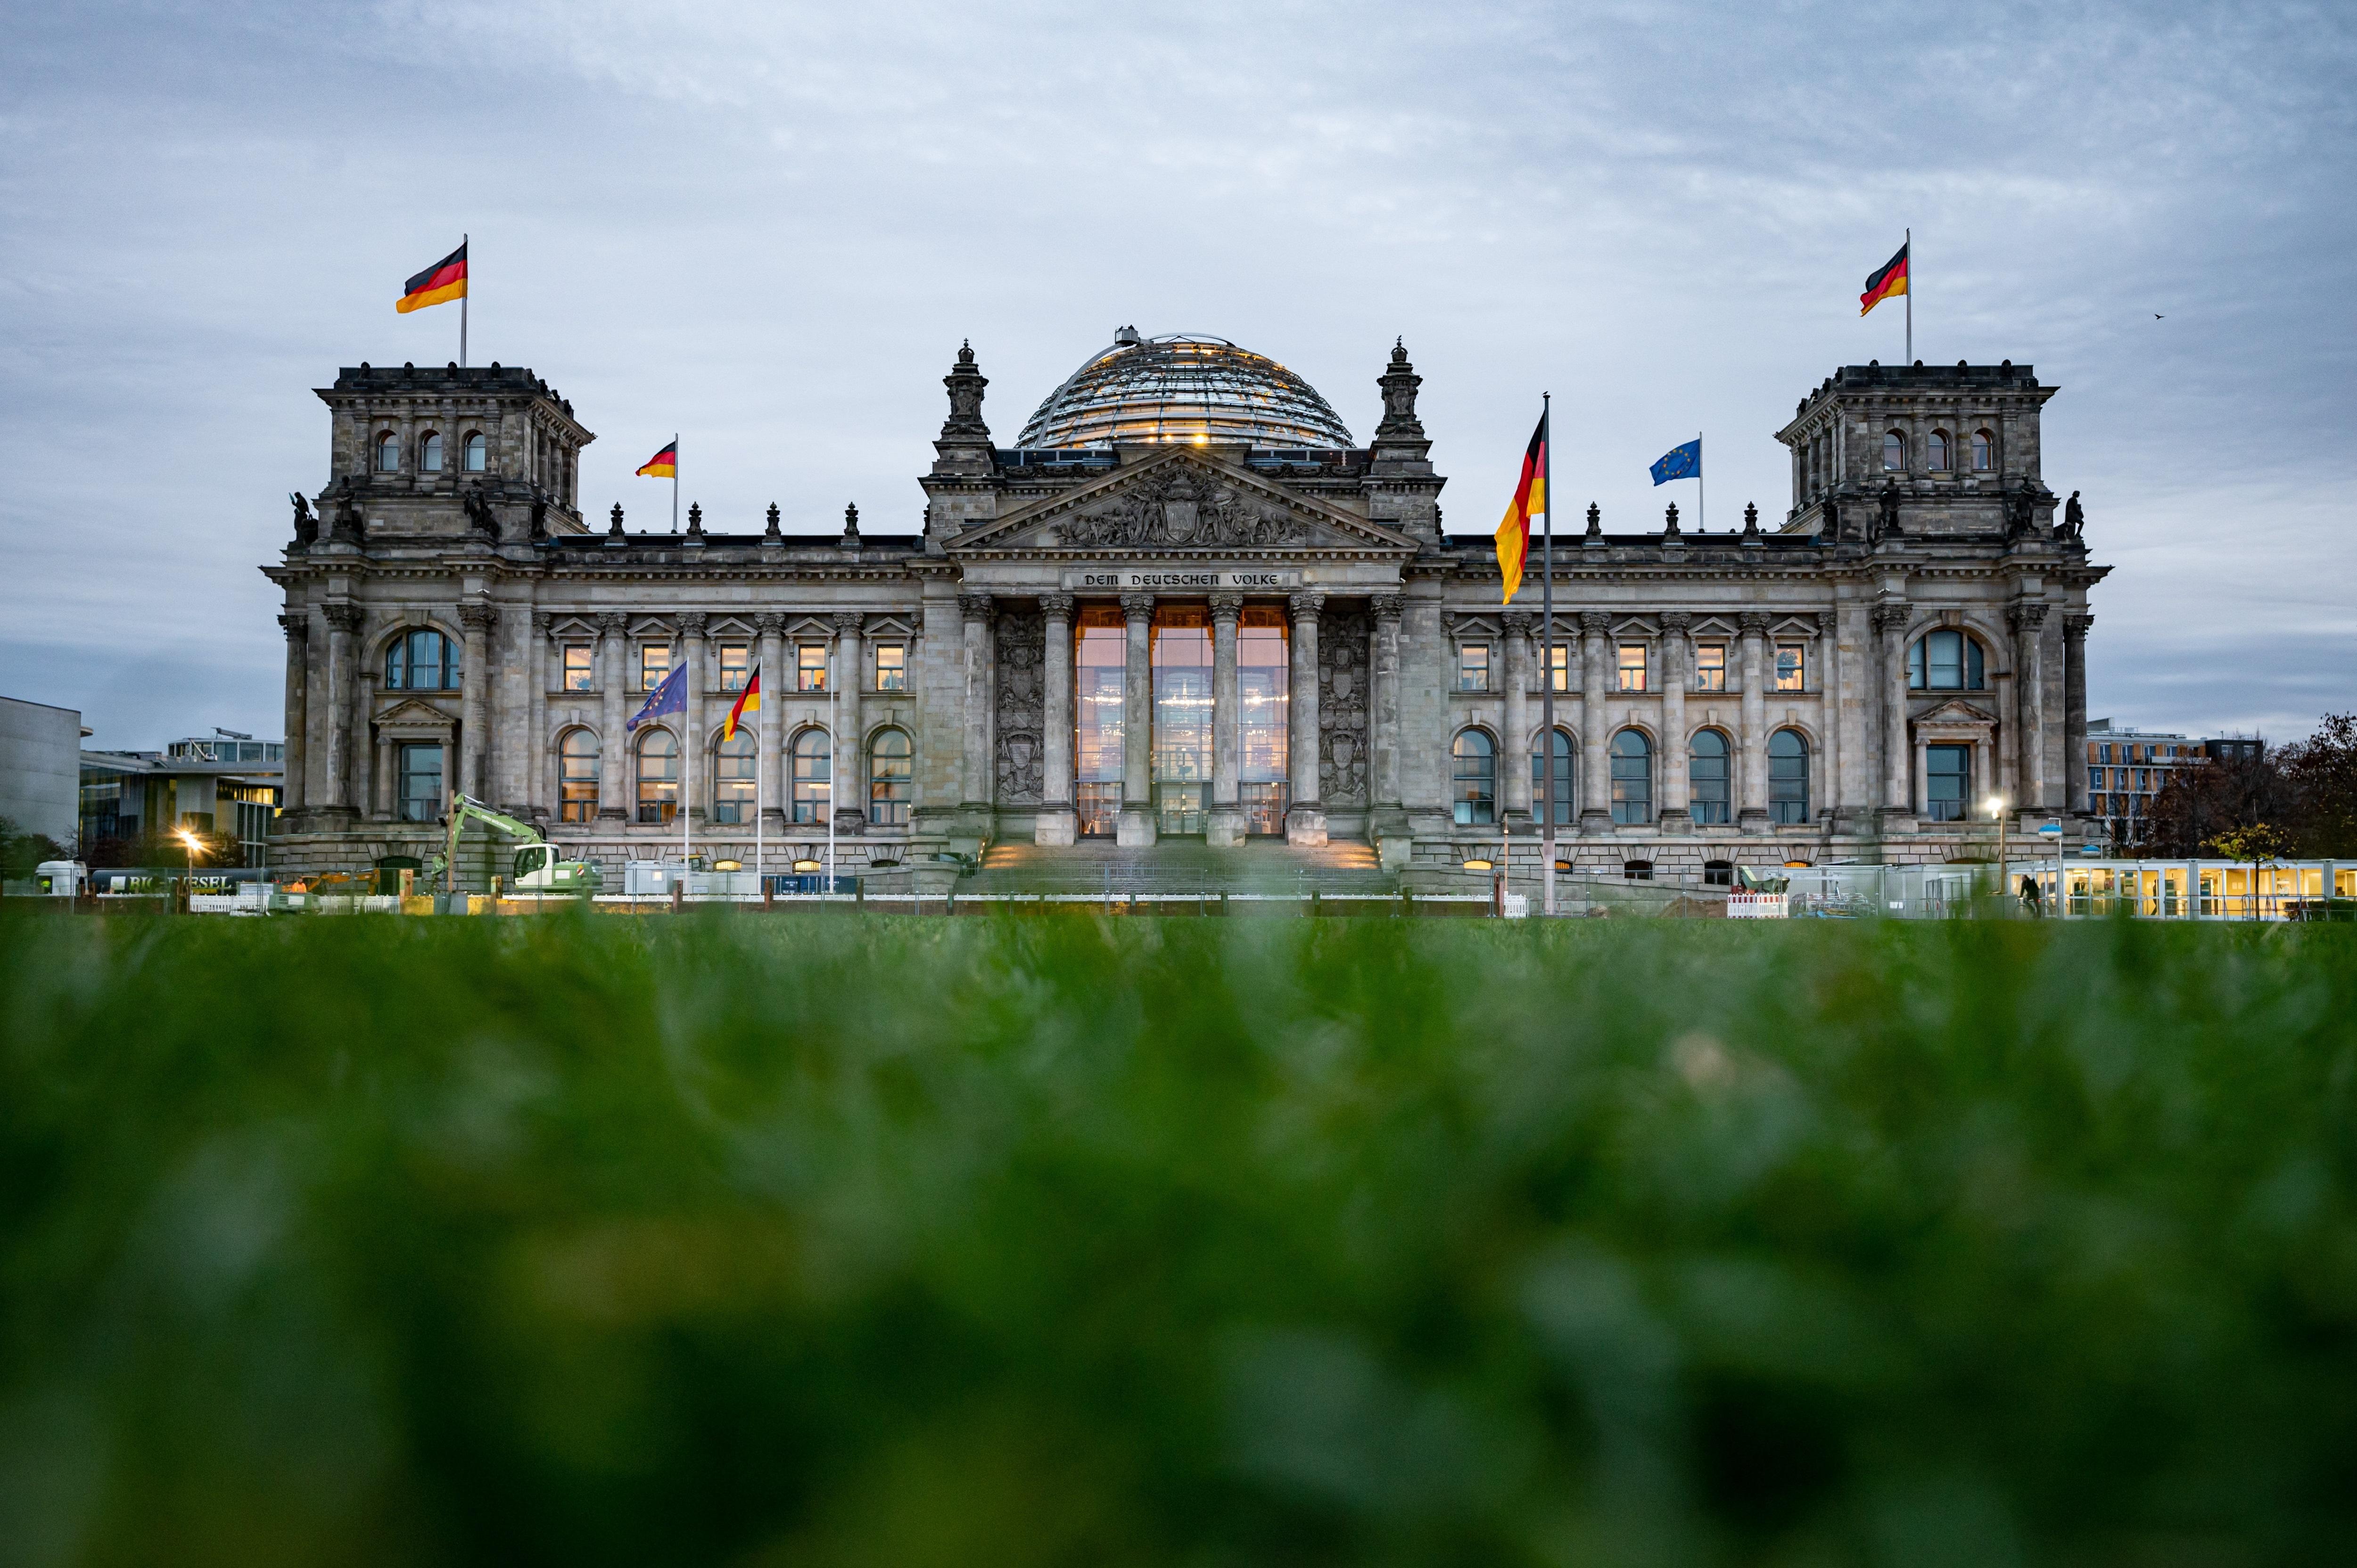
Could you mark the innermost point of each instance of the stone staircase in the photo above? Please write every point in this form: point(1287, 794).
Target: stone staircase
point(1183, 867)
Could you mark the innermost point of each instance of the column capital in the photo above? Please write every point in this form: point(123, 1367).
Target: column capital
point(851, 623)
point(343, 618)
point(770, 623)
point(1891, 618)
point(1388, 606)
point(2027, 615)
point(1306, 606)
point(1137, 607)
point(1516, 622)
point(975, 606)
point(479, 617)
point(1595, 623)
point(542, 622)
point(2075, 624)
point(296, 625)
point(1227, 606)
point(1753, 622)
point(692, 622)
point(1674, 622)
point(613, 623)
point(1059, 607)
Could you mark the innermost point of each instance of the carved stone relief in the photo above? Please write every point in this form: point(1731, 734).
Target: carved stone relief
point(1022, 643)
point(1343, 679)
point(1179, 508)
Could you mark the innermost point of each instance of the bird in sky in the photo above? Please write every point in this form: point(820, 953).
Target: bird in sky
point(2156, 316)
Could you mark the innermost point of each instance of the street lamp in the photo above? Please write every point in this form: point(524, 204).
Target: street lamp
point(195, 846)
point(1996, 804)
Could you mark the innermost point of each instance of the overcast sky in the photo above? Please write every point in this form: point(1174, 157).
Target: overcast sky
point(769, 228)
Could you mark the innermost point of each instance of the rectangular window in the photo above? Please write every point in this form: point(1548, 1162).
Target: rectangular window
point(1632, 667)
point(421, 783)
point(810, 667)
point(1947, 781)
point(735, 664)
point(891, 666)
point(1098, 654)
point(1788, 667)
point(1473, 667)
point(2144, 780)
point(578, 666)
point(2103, 752)
point(1559, 666)
point(1262, 690)
point(2094, 779)
point(1710, 667)
point(654, 663)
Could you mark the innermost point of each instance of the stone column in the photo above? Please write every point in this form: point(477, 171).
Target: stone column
point(613, 744)
point(1055, 823)
point(1751, 741)
point(1225, 828)
point(695, 767)
point(1595, 768)
point(776, 682)
point(974, 785)
point(298, 627)
point(1305, 822)
point(343, 620)
point(1136, 825)
point(1677, 778)
point(1514, 750)
point(475, 621)
point(539, 771)
point(2074, 706)
point(1890, 630)
point(377, 802)
point(1387, 608)
point(849, 792)
point(2029, 716)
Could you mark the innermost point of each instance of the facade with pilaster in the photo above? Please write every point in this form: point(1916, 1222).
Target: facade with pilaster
point(1186, 602)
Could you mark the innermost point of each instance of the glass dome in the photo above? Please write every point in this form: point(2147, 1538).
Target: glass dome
point(1182, 387)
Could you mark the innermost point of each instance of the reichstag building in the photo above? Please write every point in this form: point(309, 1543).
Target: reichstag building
point(1186, 601)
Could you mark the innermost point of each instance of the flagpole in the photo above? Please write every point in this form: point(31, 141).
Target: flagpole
point(687, 782)
point(760, 775)
point(463, 298)
point(834, 752)
point(674, 484)
point(1546, 645)
point(1701, 490)
point(1910, 297)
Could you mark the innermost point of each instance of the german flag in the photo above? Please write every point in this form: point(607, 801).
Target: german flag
point(1889, 280)
point(663, 465)
point(750, 702)
point(1530, 501)
point(445, 281)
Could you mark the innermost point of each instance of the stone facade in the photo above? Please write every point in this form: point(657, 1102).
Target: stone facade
point(1911, 638)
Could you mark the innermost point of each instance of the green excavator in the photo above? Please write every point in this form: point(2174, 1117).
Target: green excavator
point(537, 868)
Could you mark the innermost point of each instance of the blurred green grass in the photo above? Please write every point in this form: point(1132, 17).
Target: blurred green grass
point(886, 1241)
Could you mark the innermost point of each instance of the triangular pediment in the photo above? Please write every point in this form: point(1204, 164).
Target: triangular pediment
point(1955, 711)
point(1178, 502)
point(412, 713)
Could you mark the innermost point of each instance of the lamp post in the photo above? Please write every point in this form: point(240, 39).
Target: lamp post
point(1996, 809)
point(189, 843)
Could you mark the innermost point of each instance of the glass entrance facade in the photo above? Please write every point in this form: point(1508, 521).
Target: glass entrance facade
point(1097, 660)
point(1182, 663)
point(1261, 694)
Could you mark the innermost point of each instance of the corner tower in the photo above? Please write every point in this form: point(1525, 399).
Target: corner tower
point(1947, 450)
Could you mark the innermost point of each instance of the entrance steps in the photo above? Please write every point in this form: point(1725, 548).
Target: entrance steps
point(1182, 866)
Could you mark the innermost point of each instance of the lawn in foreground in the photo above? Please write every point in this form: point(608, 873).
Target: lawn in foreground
point(1068, 1240)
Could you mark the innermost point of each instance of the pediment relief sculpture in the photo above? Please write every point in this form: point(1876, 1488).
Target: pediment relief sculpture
point(1182, 504)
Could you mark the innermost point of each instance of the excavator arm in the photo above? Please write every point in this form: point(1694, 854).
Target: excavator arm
point(463, 806)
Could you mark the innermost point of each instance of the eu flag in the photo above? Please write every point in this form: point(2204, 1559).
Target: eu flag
point(1680, 463)
point(670, 696)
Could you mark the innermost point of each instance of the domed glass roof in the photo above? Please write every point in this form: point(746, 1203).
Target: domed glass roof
point(1182, 387)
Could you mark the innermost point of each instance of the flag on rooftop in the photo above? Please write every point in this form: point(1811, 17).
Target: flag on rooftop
point(445, 280)
point(1530, 501)
point(663, 465)
point(1680, 462)
point(1889, 280)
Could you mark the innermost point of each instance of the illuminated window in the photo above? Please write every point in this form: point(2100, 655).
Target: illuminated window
point(580, 664)
point(891, 666)
point(1949, 662)
point(1559, 666)
point(1473, 667)
point(810, 667)
point(1100, 654)
point(1788, 777)
point(475, 452)
point(1709, 778)
point(1632, 667)
point(813, 776)
point(1476, 771)
point(733, 779)
point(429, 453)
point(654, 663)
point(1894, 453)
point(1937, 451)
point(1263, 678)
point(658, 777)
point(577, 777)
point(1632, 778)
point(891, 779)
point(736, 665)
point(1563, 792)
point(1791, 670)
point(1983, 452)
point(1710, 667)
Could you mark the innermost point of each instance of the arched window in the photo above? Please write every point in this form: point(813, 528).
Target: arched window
point(813, 776)
point(1788, 777)
point(1983, 452)
point(478, 452)
point(576, 777)
point(1938, 451)
point(1477, 779)
point(1564, 795)
point(1632, 778)
point(429, 453)
point(658, 777)
point(388, 452)
point(1945, 662)
point(1894, 453)
point(1708, 776)
point(733, 779)
point(891, 779)
point(422, 662)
